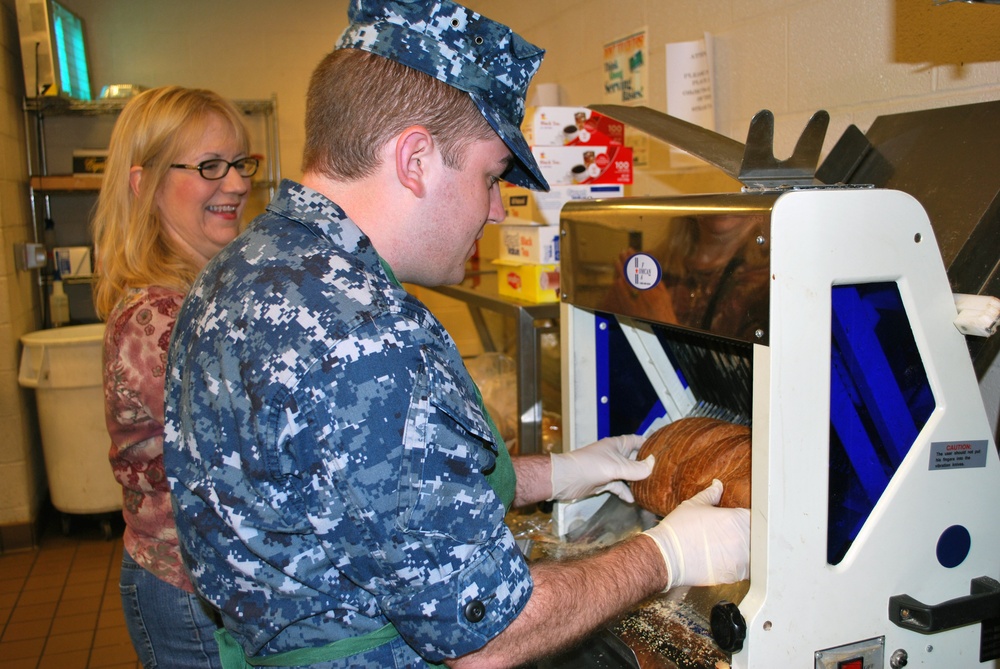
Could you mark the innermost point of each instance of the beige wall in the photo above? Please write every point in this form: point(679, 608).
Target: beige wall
point(21, 473)
point(857, 59)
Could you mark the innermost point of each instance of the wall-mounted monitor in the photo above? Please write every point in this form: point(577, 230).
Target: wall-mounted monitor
point(53, 49)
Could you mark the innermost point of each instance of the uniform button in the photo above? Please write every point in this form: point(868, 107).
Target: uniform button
point(475, 611)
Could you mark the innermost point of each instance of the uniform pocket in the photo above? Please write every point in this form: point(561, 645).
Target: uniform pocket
point(447, 448)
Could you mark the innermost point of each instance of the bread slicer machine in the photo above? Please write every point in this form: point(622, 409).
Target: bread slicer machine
point(875, 476)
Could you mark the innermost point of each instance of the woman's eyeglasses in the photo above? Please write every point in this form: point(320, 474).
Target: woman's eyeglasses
point(217, 168)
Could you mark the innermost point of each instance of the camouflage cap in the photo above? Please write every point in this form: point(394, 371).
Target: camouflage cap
point(486, 59)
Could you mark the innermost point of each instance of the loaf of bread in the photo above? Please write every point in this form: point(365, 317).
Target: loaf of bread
point(690, 452)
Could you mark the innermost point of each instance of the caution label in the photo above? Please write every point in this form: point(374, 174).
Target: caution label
point(958, 454)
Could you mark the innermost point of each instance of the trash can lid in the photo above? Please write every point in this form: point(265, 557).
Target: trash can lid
point(70, 334)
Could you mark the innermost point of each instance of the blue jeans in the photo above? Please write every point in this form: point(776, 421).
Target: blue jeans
point(170, 628)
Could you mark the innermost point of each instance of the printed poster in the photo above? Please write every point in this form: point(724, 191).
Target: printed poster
point(625, 70)
point(625, 64)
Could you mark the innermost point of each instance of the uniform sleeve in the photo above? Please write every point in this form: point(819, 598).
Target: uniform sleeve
point(409, 515)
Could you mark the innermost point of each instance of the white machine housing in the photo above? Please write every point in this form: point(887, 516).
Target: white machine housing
point(802, 611)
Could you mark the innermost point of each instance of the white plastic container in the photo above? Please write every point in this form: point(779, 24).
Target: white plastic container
point(63, 365)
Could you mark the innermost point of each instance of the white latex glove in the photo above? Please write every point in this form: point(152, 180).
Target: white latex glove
point(602, 466)
point(703, 544)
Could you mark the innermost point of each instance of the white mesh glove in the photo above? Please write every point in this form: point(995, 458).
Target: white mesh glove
point(703, 544)
point(602, 466)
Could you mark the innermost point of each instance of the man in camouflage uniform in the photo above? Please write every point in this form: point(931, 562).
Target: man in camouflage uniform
point(340, 490)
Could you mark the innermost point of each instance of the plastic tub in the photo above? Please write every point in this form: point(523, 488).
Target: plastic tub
point(63, 365)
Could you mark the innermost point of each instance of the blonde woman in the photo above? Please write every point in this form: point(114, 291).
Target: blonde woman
point(175, 187)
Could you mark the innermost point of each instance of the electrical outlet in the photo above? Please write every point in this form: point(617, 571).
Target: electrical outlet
point(29, 256)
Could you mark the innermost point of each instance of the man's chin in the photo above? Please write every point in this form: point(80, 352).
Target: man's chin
point(455, 278)
point(442, 279)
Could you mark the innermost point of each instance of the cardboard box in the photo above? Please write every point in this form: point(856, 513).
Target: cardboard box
point(87, 161)
point(544, 208)
point(568, 165)
point(525, 241)
point(570, 126)
point(529, 282)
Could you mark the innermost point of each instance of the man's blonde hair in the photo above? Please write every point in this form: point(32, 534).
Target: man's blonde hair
point(152, 131)
point(359, 101)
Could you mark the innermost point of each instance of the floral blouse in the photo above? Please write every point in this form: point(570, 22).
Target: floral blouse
point(135, 354)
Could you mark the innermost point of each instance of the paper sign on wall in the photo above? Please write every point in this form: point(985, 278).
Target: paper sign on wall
point(625, 69)
point(690, 89)
point(625, 81)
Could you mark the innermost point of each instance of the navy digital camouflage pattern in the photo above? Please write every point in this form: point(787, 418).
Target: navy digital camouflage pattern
point(327, 451)
point(486, 59)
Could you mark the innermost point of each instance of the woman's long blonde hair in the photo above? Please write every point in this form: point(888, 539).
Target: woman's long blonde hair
point(152, 131)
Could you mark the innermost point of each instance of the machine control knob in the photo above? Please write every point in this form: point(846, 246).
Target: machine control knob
point(729, 628)
point(899, 659)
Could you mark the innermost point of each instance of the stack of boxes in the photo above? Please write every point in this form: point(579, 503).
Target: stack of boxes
point(583, 156)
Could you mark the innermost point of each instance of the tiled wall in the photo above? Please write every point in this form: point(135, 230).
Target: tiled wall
point(21, 471)
point(858, 59)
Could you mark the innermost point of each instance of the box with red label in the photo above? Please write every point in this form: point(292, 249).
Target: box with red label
point(570, 126)
point(567, 165)
point(525, 241)
point(529, 282)
point(542, 207)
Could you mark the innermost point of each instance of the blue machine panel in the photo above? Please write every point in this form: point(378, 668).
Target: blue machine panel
point(626, 400)
point(716, 371)
point(880, 399)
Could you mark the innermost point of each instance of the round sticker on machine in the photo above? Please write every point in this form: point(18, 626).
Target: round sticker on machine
point(642, 271)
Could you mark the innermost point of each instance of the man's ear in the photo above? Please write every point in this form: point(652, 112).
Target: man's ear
point(414, 155)
point(134, 178)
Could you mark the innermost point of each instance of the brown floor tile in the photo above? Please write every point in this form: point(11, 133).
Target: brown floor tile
point(111, 636)
point(37, 629)
point(44, 580)
point(11, 590)
point(60, 604)
point(112, 656)
point(91, 563)
point(10, 582)
point(112, 600)
point(25, 613)
point(20, 663)
point(77, 659)
point(64, 643)
point(72, 607)
point(90, 575)
point(54, 560)
point(21, 650)
point(84, 622)
point(8, 600)
point(94, 549)
point(40, 596)
point(16, 566)
point(84, 591)
point(112, 589)
point(111, 618)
